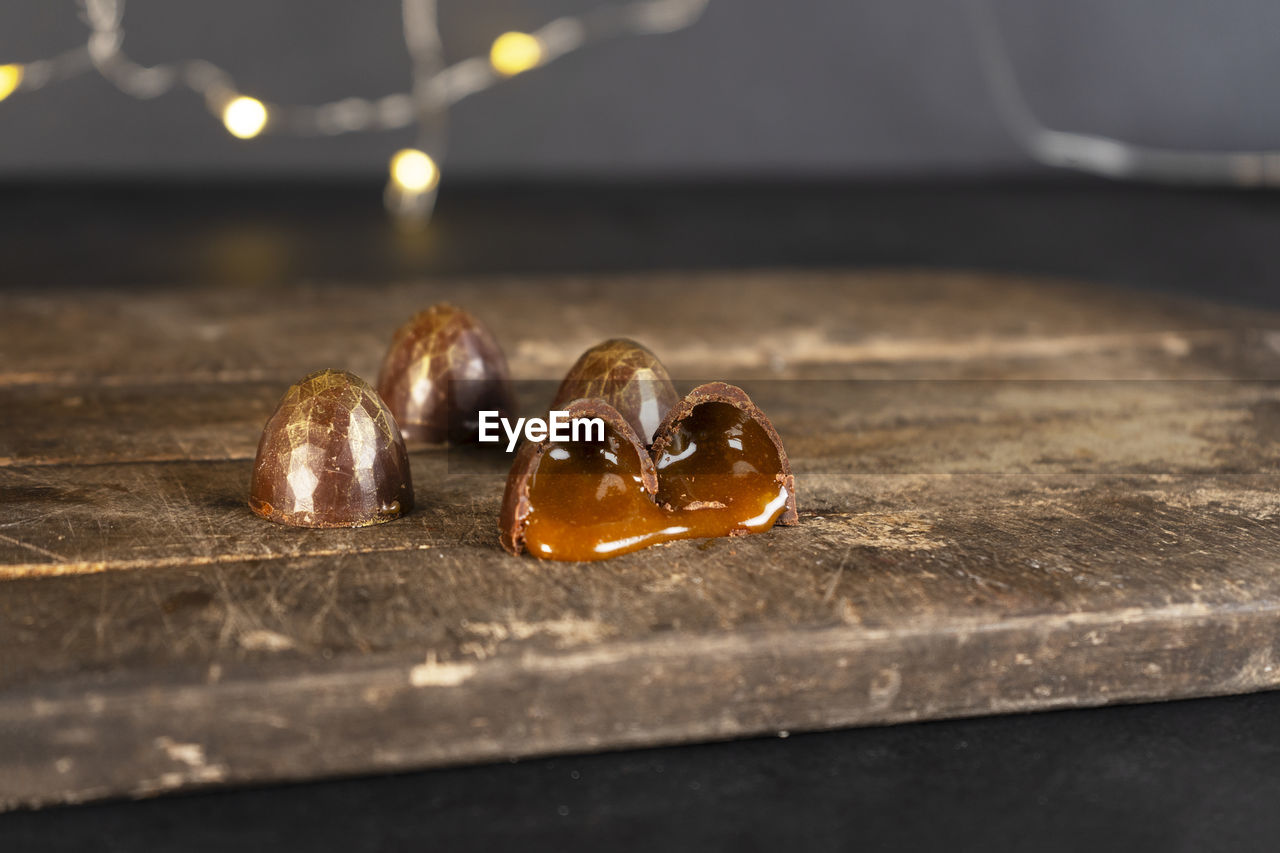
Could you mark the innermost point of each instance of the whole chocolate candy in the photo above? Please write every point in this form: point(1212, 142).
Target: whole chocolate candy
point(627, 376)
point(331, 456)
point(442, 369)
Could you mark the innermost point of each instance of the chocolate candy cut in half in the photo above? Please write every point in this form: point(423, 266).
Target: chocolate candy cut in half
point(442, 369)
point(331, 456)
point(627, 376)
point(717, 449)
point(717, 468)
point(581, 500)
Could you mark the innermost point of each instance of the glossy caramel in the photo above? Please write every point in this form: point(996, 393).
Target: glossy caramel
point(588, 502)
point(719, 455)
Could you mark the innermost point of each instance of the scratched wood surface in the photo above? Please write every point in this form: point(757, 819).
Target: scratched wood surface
point(1015, 495)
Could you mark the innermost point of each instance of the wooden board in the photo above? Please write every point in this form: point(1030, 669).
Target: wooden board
point(1015, 495)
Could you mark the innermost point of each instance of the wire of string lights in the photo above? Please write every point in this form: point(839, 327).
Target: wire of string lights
point(1104, 155)
point(414, 173)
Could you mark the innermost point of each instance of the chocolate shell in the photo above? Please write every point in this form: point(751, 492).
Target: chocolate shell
point(722, 392)
point(515, 501)
point(443, 367)
point(331, 456)
point(627, 376)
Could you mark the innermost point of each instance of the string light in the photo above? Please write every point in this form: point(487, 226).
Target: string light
point(244, 117)
point(10, 79)
point(513, 53)
point(411, 187)
point(437, 87)
point(414, 172)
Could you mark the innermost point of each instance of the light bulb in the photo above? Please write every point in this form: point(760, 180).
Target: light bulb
point(414, 171)
point(244, 117)
point(10, 79)
point(515, 52)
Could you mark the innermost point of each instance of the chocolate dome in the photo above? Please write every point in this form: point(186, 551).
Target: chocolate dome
point(331, 456)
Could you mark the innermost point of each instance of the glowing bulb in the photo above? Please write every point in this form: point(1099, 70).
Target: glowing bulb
point(10, 77)
point(245, 117)
point(515, 52)
point(414, 171)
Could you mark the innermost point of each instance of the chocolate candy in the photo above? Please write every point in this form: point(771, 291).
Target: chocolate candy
point(331, 456)
point(443, 367)
point(717, 468)
point(627, 376)
point(580, 501)
point(716, 449)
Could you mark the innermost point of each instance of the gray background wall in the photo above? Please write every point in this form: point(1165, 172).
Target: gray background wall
point(757, 88)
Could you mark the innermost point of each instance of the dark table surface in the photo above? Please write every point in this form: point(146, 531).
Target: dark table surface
point(1195, 775)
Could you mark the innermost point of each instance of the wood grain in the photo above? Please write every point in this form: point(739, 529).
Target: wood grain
point(1015, 495)
point(743, 323)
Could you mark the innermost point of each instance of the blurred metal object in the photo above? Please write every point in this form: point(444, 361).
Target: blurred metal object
point(1104, 155)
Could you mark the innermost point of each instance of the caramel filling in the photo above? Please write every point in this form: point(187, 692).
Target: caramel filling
point(719, 476)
